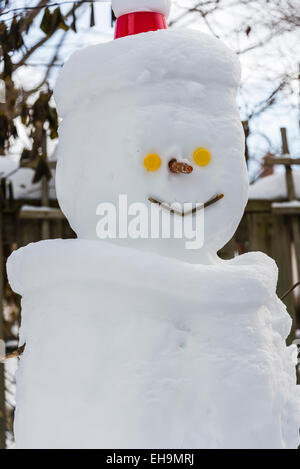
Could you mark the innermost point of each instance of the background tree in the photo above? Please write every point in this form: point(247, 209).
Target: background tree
point(34, 107)
point(265, 34)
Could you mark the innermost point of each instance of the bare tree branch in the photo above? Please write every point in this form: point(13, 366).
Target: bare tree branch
point(42, 41)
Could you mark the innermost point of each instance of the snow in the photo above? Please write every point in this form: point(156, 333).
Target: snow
point(40, 208)
point(273, 187)
point(141, 343)
point(154, 60)
point(292, 203)
point(21, 179)
point(7, 165)
point(122, 7)
point(159, 353)
point(168, 92)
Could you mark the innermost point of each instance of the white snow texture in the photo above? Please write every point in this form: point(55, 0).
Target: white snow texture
point(122, 7)
point(126, 349)
point(167, 92)
point(144, 344)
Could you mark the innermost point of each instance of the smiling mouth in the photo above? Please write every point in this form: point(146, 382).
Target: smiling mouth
point(209, 202)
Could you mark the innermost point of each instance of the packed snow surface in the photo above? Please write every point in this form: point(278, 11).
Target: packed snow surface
point(167, 92)
point(133, 350)
point(273, 187)
point(169, 60)
point(122, 7)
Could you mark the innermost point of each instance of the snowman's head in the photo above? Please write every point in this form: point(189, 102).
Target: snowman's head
point(153, 116)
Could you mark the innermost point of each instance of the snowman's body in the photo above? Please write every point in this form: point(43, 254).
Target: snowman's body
point(126, 349)
point(128, 342)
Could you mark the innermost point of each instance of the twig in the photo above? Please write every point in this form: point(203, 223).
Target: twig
point(50, 65)
point(29, 64)
point(289, 290)
point(177, 167)
point(162, 204)
point(39, 7)
point(29, 17)
point(195, 209)
point(16, 353)
point(213, 200)
point(46, 38)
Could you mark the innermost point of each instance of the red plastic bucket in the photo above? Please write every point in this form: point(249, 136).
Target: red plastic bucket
point(139, 22)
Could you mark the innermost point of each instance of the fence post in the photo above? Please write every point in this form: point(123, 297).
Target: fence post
point(45, 192)
point(2, 376)
point(45, 203)
point(291, 196)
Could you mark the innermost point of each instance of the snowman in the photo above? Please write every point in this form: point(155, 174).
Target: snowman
point(136, 341)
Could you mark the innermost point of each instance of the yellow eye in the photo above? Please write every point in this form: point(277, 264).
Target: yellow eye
point(202, 156)
point(152, 162)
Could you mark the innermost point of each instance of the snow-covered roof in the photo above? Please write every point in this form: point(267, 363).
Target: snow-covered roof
point(21, 179)
point(273, 187)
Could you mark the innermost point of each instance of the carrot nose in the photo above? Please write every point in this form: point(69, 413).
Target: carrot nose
point(179, 167)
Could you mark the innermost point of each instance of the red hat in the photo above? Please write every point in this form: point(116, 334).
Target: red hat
point(140, 16)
